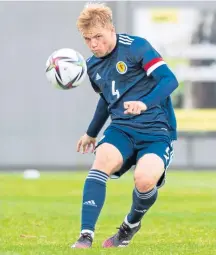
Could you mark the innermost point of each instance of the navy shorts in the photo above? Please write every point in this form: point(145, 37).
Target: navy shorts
point(133, 145)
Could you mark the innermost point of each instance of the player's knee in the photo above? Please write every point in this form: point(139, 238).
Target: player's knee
point(108, 159)
point(148, 171)
point(144, 182)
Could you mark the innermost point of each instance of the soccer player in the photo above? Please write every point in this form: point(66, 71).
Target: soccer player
point(134, 84)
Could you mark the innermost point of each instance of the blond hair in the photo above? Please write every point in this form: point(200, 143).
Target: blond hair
point(94, 14)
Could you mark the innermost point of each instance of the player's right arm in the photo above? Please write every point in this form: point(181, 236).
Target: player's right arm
point(88, 140)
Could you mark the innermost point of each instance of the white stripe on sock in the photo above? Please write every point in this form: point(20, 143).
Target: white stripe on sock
point(147, 194)
point(98, 176)
point(103, 175)
point(130, 224)
point(96, 179)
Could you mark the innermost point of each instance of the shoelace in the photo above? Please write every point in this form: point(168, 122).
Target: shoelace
point(123, 231)
point(86, 235)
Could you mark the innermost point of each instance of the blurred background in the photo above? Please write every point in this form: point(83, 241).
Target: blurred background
point(40, 125)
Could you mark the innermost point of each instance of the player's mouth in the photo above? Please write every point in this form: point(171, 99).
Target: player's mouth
point(97, 53)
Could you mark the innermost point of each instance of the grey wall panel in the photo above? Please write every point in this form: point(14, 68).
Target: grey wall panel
point(39, 124)
point(204, 151)
point(180, 158)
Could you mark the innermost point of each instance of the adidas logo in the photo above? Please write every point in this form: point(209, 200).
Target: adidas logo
point(98, 77)
point(90, 202)
point(141, 211)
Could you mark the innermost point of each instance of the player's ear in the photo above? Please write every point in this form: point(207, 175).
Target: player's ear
point(113, 29)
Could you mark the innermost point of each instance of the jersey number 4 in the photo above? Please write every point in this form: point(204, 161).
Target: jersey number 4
point(115, 92)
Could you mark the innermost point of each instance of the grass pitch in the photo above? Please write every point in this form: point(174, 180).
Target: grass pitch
point(43, 216)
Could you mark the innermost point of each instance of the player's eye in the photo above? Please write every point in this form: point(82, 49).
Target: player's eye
point(98, 36)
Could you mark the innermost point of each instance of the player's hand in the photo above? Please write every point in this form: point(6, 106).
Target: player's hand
point(134, 107)
point(86, 143)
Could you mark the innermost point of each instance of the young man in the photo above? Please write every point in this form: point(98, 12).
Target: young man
point(134, 84)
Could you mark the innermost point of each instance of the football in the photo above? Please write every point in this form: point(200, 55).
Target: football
point(66, 68)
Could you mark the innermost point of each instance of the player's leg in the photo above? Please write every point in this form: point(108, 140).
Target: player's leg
point(108, 160)
point(110, 155)
point(148, 172)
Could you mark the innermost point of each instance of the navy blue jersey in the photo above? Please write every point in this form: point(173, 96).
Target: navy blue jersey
point(125, 75)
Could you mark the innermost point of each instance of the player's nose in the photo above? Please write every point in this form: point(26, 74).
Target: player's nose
point(93, 44)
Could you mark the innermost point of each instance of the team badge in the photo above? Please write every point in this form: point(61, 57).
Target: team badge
point(121, 67)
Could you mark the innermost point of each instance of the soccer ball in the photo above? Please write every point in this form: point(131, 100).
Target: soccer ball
point(66, 68)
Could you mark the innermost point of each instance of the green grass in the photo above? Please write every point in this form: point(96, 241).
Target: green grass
point(43, 216)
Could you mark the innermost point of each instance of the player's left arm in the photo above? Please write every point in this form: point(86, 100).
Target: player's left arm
point(166, 83)
point(156, 68)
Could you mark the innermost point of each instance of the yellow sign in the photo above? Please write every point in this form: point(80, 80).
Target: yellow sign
point(164, 16)
point(121, 67)
point(196, 120)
